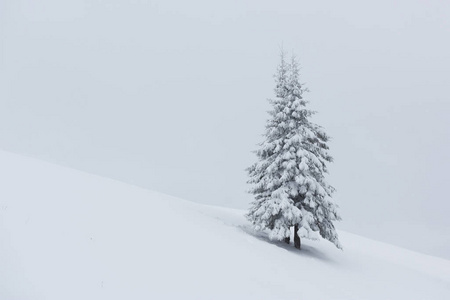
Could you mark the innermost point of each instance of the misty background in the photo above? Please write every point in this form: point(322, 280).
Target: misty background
point(172, 96)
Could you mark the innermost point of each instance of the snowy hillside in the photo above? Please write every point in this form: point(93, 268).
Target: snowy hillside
point(66, 235)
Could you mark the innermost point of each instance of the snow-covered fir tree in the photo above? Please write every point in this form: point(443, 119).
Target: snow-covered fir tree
point(288, 179)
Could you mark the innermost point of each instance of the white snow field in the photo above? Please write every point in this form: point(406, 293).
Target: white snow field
point(66, 235)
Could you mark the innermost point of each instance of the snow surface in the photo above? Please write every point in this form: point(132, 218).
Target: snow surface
point(65, 234)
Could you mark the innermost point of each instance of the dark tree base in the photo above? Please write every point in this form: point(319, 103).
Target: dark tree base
point(297, 242)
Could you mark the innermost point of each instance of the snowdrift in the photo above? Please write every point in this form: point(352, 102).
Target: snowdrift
point(66, 235)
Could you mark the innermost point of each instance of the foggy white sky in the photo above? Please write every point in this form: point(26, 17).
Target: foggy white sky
point(171, 95)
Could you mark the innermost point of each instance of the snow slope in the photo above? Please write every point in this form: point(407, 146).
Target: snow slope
point(66, 235)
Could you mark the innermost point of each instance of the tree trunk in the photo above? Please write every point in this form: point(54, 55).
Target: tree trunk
point(296, 237)
point(287, 240)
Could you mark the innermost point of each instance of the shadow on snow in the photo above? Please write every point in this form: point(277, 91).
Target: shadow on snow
point(305, 251)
